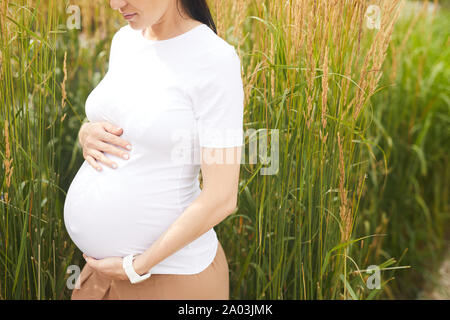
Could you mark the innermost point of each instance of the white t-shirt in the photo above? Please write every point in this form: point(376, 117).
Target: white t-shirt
point(170, 97)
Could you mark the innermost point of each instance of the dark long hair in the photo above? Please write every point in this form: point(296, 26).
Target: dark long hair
point(199, 10)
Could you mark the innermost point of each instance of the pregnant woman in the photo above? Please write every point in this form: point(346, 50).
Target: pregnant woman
point(170, 104)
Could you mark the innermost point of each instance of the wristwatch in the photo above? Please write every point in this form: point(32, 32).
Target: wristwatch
point(127, 263)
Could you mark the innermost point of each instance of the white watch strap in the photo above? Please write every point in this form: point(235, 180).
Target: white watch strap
point(127, 264)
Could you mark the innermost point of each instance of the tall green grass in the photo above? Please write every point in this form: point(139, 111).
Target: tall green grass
point(311, 70)
point(34, 249)
point(411, 127)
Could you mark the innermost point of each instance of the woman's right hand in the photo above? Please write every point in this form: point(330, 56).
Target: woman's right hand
point(94, 138)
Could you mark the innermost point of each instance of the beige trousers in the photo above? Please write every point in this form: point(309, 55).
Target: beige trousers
point(211, 283)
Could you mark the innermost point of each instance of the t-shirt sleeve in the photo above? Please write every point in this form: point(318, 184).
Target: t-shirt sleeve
point(218, 101)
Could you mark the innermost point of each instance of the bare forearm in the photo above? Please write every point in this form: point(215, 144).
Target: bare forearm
point(197, 219)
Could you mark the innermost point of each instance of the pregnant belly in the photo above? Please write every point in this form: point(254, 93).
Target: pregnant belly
point(116, 212)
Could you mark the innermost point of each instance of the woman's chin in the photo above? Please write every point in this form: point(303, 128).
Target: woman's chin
point(135, 24)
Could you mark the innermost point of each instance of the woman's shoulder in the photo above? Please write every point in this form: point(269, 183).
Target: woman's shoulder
point(122, 32)
point(216, 43)
point(211, 50)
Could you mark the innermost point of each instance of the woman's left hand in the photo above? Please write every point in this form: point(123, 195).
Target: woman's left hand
point(110, 267)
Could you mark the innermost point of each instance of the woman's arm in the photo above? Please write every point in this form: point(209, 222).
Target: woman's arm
point(217, 200)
